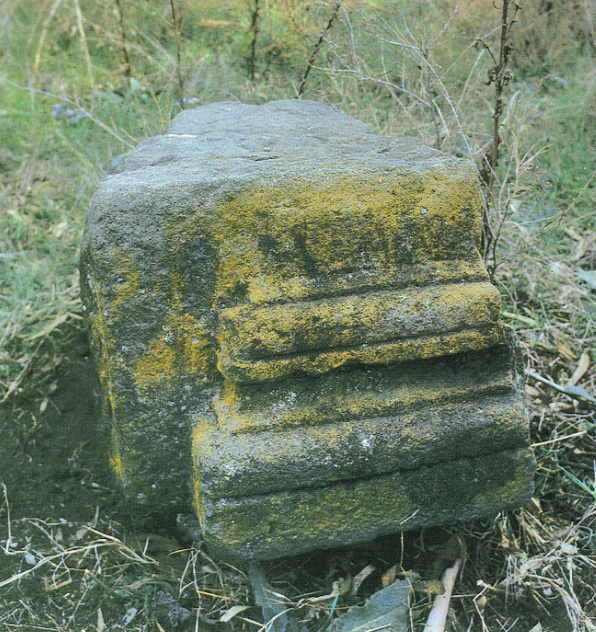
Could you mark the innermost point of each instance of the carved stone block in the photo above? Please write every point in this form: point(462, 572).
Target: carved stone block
point(295, 332)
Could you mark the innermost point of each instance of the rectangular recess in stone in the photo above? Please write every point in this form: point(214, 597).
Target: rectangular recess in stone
point(276, 285)
point(362, 393)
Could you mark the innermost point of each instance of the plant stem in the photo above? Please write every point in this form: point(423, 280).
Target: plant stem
point(438, 614)
point(127, 61)
point(499, 75)
point(178, 64)
point(254, 29)
point(84, 46)
point(315, 50)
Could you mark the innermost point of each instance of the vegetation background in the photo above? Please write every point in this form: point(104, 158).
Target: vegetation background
point(82, 81)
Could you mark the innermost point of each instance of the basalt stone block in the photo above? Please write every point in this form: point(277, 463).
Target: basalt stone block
point(295, 333)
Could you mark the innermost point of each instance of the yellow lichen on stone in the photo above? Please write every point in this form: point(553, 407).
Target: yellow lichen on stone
point(115, 456)
point(381, 354)
point(226, 406)
point(202, 430)
point(196, 497)
point(128, 287)
point(328, 402)
point(284, 241)
point(269, 523)
point(353, 320)
point(106, 359)
point(188, 352)
point(321, 514)
point(451, 197)
point(184, 348)
point(157, 363)
point(196, 345)
point(269, 234)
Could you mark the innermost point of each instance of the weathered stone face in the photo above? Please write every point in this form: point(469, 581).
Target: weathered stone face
point(295, 332)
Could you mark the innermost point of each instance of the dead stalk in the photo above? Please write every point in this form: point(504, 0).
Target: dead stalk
point(317, 48)
point(44, 31)
point(499, 75)
point(84, 46)
point(103, 541)
point(438, 614)
point(127, 60)
point(254, 29)
point(175, 20)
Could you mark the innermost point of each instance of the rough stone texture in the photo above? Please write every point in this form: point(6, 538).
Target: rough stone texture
point(295, 332)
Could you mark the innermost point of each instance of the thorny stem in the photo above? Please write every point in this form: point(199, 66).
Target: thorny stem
point(127, 60)
point(254, 29)
point(315, 50)
point(178, 64)
point(499, 75)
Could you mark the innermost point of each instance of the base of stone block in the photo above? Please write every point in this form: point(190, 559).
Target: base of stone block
point(288, 523)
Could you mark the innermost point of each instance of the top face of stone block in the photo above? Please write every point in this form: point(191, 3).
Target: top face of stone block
point(237, 137)
point(295, 139)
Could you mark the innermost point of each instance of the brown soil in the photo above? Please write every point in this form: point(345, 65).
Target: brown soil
point(52, 449)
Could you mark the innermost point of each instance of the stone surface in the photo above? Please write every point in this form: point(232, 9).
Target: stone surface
point(295, 332)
